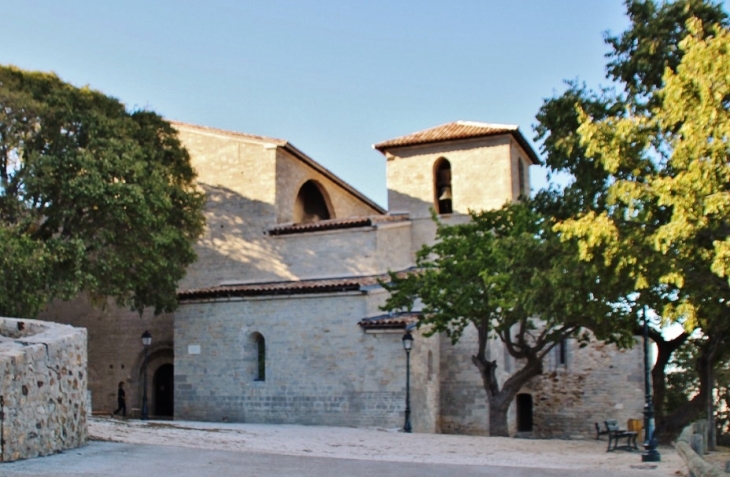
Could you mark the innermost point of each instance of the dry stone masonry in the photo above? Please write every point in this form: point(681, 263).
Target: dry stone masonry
point(43, 388)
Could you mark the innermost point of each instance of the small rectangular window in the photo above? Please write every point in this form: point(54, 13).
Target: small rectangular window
point(562, 352)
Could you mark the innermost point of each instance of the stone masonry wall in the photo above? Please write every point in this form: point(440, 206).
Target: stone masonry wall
point(251, 186)
point(361, 251)
point(321, 368)
point(464, 406)
point(115, 349)
point(481, 175)
point(43, 378)
point(599, 382)
point(292, 173)
point(238, 177)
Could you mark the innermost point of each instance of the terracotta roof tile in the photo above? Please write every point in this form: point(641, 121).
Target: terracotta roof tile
point(455, 131)
point(334, 224)
point(390, 321)
point(298, 287)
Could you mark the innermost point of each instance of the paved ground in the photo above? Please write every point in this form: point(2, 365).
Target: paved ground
point(104, 459)
point(122, 448)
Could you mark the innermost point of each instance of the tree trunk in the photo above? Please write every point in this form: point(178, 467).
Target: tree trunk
point(499, 400)
point(673, 423)
point(665, 349)
point(498, 418)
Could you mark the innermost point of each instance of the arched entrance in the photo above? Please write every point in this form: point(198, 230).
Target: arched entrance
point(164, 388)
point(524, 413)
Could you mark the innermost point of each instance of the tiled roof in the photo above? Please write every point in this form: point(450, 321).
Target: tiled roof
point(455, 131)
point(298, 287)
point(390, 321)
point(334, 224)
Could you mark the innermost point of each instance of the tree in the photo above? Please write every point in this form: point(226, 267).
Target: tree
point(683, 384)
point(658, 210)
point(510, 276)
point(93, 198)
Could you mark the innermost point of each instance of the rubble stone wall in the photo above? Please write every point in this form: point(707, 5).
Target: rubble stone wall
point(598, 382)
point(42, 388)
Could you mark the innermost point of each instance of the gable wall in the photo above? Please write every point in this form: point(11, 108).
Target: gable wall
point(251, 186)
point(238, 177)
point(292, 173)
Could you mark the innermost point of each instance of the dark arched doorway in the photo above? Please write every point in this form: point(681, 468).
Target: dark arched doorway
point(164, 385)
point(524, 413)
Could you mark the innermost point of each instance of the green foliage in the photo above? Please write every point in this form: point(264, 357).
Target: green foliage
point(674, 199)
point(641, 54)
point(508, 274)
point(92, 198)
point(507, 268)
point(649, 199)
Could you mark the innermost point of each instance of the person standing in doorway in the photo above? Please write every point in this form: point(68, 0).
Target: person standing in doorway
point(121, 402)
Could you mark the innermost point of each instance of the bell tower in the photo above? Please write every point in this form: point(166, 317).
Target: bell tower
point(457, 167)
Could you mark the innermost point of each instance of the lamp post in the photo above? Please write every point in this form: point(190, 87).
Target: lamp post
point(146, 341)
point(650, 444)
point(407, 345)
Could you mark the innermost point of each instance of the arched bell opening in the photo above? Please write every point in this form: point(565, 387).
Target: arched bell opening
point(312, 204)
point(442, 186)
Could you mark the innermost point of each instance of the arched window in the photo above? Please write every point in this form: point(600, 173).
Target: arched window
point(260, 343)
point(311, 204)
point(442, 186)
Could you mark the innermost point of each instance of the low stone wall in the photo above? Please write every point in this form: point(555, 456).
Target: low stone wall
point(42, 388)
point(695, 463)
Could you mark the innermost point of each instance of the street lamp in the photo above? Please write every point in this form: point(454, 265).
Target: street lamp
point(146, 342)
point(650, 443)
point(407, 345)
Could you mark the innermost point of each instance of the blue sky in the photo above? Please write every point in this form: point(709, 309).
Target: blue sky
point(332, 77)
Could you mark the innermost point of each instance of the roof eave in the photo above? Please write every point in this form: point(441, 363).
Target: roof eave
point(529, 151)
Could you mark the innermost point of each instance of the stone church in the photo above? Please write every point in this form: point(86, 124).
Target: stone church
point(279, 318)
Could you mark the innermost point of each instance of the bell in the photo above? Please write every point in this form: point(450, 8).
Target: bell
point(444, 177)
point(445, 193)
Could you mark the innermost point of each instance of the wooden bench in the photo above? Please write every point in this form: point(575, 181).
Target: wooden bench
point(615, 434)
point(599, 432)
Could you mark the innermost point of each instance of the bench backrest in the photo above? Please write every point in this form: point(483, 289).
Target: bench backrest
point(612, 425)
